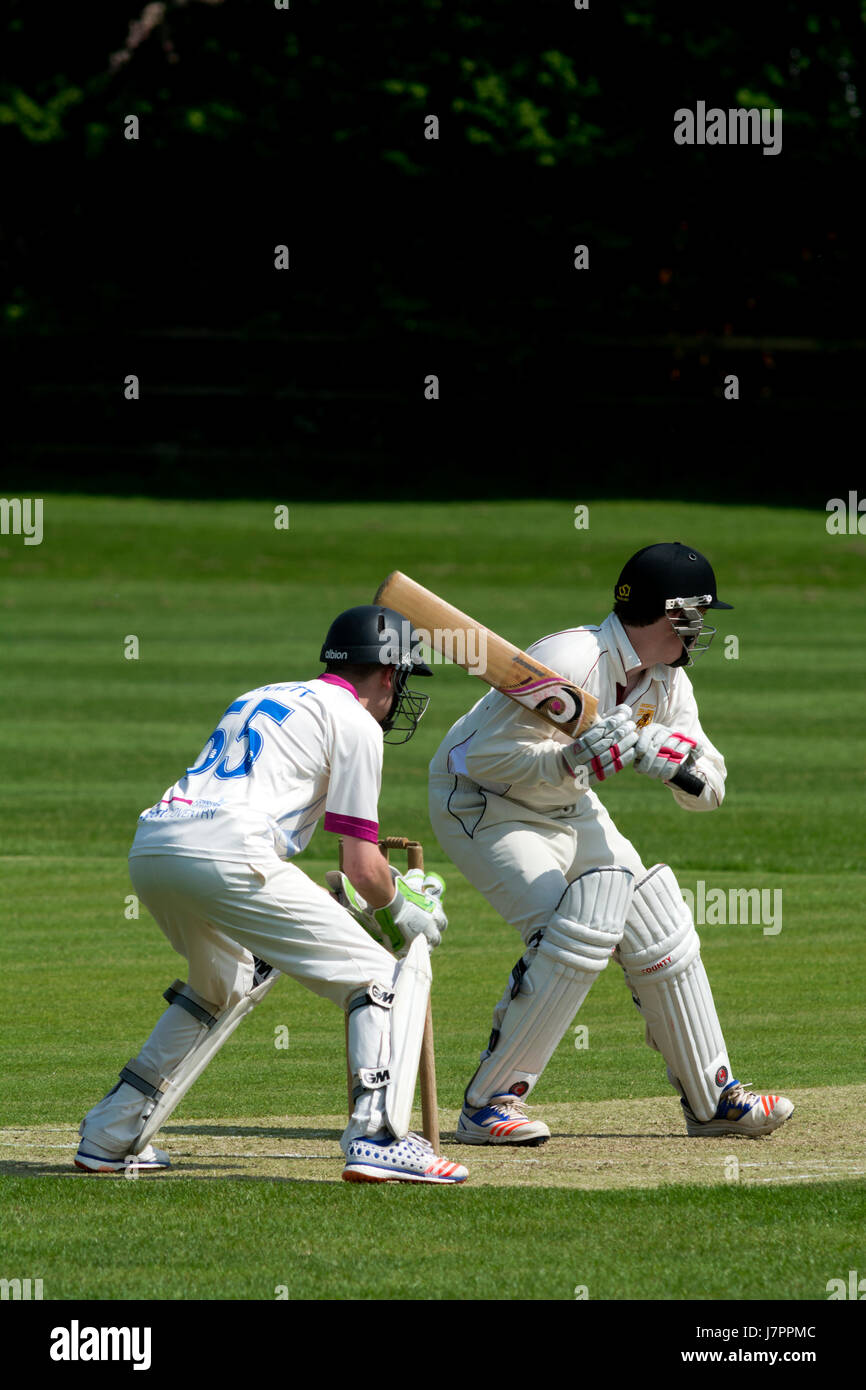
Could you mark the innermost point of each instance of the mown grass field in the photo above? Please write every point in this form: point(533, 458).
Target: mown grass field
point(219, 601)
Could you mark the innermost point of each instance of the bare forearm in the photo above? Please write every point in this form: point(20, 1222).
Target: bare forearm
point(367, 871)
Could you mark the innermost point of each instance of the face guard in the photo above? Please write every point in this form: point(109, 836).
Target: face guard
point(408, 707)
point(687, 621)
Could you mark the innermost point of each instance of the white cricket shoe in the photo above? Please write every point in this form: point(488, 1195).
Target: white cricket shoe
point(742, 1112)
point(399, 1160)
point(150, 1160)
point(503, 1120)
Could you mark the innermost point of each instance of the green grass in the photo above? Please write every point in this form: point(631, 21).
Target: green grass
point(220, 602)
point(322, 1242)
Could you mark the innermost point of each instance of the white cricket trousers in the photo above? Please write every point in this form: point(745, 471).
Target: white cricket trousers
point(218, 915)
point(522, 861)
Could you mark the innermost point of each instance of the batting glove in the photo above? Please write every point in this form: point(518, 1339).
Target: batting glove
point(605, 748)
point(660, 752)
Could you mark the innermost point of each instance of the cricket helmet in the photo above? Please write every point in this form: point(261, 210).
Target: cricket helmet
point(373, 635)
point(674, 580)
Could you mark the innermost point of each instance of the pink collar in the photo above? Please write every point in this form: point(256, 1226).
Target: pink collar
point(337, 680)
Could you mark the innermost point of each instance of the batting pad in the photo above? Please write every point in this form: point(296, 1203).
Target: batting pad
point(550, 982)
point(660, 954)
point(368, 1042)
point(408, 1015)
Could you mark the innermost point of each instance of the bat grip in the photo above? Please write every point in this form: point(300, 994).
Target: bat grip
point(688, 782)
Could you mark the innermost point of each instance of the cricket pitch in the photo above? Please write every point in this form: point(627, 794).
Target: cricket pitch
point(598, 1145)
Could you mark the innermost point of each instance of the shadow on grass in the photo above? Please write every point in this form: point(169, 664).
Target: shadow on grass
point(198, 1171)
point(250, 1132)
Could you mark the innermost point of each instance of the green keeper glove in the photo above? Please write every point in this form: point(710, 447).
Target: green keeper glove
point(410, 912)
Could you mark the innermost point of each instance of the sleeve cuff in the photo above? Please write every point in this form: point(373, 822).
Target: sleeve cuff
point(353, 826)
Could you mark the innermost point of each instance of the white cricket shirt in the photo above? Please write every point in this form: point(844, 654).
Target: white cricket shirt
point(280, 758)
point(511, 752)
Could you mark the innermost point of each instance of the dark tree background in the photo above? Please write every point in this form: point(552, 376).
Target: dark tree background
point(305, 126)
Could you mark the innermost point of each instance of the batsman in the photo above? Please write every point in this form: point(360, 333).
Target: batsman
point(516, 806)
point(214, 861)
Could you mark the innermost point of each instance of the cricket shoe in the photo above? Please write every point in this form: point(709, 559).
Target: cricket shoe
point(503, 1120)
point(741, 1112)
point(399, 1160)
point(150, 1160)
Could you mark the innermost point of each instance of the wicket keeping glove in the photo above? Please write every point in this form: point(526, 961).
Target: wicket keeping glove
point(605, 748)
point(660, 752)
point(430, 883)
point(409, 913)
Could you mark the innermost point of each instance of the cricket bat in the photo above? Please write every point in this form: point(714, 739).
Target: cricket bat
point(505, 667)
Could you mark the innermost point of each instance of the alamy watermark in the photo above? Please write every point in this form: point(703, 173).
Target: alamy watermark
point(731, 907)
point(846, 519)
point(466, 647)
point(22, 516)
point(77, 1343)
point(854, 1288)
point(737, 126)
point(21, 1289)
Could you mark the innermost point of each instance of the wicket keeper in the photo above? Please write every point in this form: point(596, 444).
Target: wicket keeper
point(215, 862)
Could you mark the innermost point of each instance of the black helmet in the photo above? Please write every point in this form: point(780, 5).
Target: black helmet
point(372, 635)
point(672, 579)
point(659, 573)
